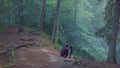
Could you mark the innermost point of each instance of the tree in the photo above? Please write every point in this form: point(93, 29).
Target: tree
point(76, 2)
point(105, 32)
point(41, 25)
point(56, 21)
point(5, 11)
point(21, 16)
point(115, 22)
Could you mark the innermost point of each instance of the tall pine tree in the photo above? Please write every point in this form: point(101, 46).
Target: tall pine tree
point(115, 22)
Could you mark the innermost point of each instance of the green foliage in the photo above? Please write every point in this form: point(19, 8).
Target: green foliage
point(61, 38)
point(57, 46)
point(105, 31)
point(43, 34)
point(2, 26)
point(90, 47)
point(46, 43)
point(31, 26)
point(79, 21)
point(83, 53)
point(12, 57)
point(80, 34)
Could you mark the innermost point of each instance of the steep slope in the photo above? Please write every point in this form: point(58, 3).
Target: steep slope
point(29, 49)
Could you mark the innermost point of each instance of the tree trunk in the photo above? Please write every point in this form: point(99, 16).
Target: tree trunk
point(21, 17)
point(115, 21)
point(41, 25)
point(75, 16)
point(9, 20)
point(56, 21)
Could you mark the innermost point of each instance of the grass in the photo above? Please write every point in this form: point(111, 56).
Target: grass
point(46, 42)
point(7, 66)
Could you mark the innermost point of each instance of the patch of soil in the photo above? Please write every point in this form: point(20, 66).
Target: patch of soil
point(30, 57)
point(3, 59)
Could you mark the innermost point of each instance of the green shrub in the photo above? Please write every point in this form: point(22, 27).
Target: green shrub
point(57, 46)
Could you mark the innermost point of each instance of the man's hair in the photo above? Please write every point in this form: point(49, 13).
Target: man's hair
point(66, 45)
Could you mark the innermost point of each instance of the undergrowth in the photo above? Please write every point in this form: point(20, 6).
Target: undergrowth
point(46, 43)
point(2, 27)
point(12, 57)
point(57, 46)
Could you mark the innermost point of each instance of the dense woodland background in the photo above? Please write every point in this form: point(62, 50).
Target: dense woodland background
point(84, 24)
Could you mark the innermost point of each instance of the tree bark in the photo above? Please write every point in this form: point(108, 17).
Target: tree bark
point(115, 21)
point(41, 25)
point(56, 21)
point(21, 17)
point(75, 15)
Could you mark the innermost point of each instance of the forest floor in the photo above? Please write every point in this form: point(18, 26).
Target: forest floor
point(29, 49)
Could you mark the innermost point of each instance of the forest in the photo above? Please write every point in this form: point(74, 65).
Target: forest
point(91, 27)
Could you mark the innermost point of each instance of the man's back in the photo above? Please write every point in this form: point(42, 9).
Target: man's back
point(64, 51)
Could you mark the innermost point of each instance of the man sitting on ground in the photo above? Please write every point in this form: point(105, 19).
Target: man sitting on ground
point(64, 51)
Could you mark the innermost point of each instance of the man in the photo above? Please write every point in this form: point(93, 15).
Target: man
point(64, 51)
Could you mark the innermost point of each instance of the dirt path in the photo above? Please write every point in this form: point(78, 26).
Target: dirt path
point(36, 53)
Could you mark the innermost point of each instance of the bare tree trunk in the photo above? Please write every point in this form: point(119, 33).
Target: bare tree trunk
point(75, 16)
point(9, 20)
point(115, 21)
point(56, 21)
point(41, 25)
point(9, 17)
point(21, 17)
